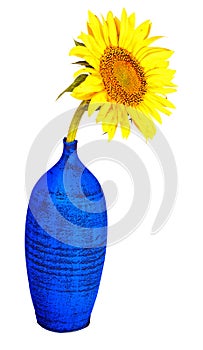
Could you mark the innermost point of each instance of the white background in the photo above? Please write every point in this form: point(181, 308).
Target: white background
point(151, 294)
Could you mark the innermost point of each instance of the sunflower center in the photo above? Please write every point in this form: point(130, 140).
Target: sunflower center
point(123, 77)
point(126, 75)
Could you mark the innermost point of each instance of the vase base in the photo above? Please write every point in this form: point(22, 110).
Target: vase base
point(63, 330)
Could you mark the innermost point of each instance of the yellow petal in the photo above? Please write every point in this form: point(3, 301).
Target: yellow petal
point(160, 71)
point(124, 121)
point(127, 43)
point(89, 41)
point(93, 80)
point(94, 24)
point(143, 30)
point(158, 80)
point(143, 123)
point(103, 111)
point(135, 45)
point(123, 28)
point(112, 29)
point(149, 110)
point(105, 31)
point(161, 90)
point(137, 42)
point(89, 29)
point(151, 100)
point(88, 88)
point(84, 70)
point(144, 51)
point(164, 101)
point(92, 62)
point(82, 95)
point(97, 101)
point(118, 25)
point(154, 64)
point(110, 129)
point(80, 51)
point(151, 40)
point(156, 57)
point(109, 123)
point(129, 32)
point(131, 20)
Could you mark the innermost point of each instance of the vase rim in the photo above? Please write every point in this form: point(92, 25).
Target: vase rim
point(69, 147)
point(72, 143)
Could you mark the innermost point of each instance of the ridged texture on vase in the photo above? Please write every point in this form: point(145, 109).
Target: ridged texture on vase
point(65, 241)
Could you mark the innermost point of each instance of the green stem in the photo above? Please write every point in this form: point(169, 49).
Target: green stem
point(73, 128)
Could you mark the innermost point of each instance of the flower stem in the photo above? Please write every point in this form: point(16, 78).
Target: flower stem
point(73, 128)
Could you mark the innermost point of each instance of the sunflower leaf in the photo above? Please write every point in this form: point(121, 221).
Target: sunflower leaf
point(76, 83)
point(83, 63)
point(77, 43)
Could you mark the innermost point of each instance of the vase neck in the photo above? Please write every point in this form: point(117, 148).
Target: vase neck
point(69, 147)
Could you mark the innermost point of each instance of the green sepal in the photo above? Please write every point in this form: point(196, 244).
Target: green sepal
point(76, 83)
point(83, 63)
point(77, 43)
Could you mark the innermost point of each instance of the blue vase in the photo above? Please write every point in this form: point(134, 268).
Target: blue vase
point(65, 243)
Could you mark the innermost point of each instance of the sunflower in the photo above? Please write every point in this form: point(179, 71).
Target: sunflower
point(122, 77)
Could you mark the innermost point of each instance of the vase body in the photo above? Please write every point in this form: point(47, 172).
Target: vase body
point(65, 243)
